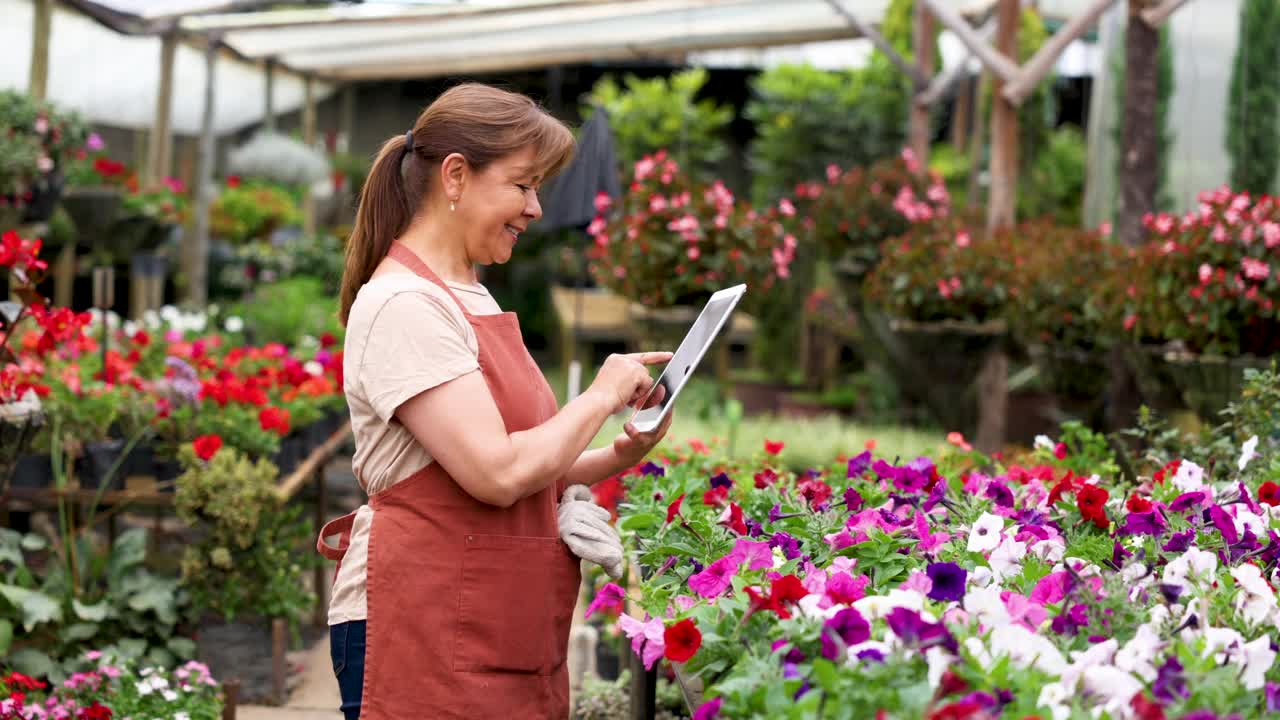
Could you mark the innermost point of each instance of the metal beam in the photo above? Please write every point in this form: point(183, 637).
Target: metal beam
point(197, 241)
point(41, 28)
point(160, 148)
point(882, 44)
point(1154, 16)
point(1042, 62)
point(367, 14)
point(995, 61)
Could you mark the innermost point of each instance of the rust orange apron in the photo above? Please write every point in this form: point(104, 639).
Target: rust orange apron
point(469, 605)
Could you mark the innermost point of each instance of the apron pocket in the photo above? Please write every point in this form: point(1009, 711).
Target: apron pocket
point(504, 615)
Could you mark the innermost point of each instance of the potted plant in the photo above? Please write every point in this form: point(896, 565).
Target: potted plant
point(147, 218)
point(20, 160)
point(246, 211)
point(1201, 300)
point(21, 383)
point(96, 190)
point(57, 134)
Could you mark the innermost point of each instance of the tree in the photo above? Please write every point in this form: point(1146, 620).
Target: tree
point(1253, 130)
point(1139, 156)
point(1164, 92)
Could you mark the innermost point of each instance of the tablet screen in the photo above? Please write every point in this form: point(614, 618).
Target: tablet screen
point(686, 357)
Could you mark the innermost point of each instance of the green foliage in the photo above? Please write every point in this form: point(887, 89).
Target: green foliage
point(51, 614)
point(1055, 186)
point(257, 262)
point(1253, 101)
point(252, 211)
point(289, 309)
point(248, 558)
point(648, 115)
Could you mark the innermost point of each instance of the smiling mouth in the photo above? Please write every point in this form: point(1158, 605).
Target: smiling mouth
point(515, 231)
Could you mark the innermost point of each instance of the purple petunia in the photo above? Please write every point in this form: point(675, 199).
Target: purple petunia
point(1179, 542)
point(652, 468)
point(1273, 697)
point(775, 513)
point(1188, 501)
point(948, 581)
point(722, 481)
point(849, 627)
point(1000, 494)
point(852, 500)
point(1145, 523)
point(709, 710)
point(858, 465)
point(1170, 685)
point(1225, 524)
point(789, 545)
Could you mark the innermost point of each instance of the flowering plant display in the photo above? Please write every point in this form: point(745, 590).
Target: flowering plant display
point(38, 140)
point(671, 241)
point(108, 690)
point(1206, 279)
point(855, 210)
point(1041, 586)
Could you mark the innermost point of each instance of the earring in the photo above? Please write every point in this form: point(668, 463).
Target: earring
point(451, 207)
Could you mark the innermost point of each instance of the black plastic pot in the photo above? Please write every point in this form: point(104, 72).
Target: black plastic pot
point(44, 199)
point(96, 464)
point(93, 210)
point(33, 471)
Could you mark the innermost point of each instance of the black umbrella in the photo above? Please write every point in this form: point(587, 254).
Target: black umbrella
point(569, 202)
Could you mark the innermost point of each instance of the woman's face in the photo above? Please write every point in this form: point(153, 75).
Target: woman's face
point(497, 205)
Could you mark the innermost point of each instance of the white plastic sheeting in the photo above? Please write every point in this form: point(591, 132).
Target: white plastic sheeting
point(113, 79)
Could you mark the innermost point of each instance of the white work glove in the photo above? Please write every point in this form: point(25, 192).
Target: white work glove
point(585, 528)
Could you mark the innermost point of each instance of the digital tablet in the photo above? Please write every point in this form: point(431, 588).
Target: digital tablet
point(713, 317)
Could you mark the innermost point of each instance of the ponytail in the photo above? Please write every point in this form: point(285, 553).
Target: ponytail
point(480, 122)
point(383, 214)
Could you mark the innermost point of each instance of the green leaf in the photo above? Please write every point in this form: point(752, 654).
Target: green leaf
point(30, 661)
point(78, 632)
point(36, 607)
point(825, 672)
point(131, 648)
point(10, 547)
point(160, 657)
point(640, 521)
point(129, 551)
point(92, 613)
point(184, 648)
point(6, 636)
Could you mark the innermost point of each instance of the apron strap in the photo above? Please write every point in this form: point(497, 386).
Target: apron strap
point(410, 259)
point(341, 527)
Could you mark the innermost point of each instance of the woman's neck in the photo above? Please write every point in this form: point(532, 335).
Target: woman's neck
point(438, 248)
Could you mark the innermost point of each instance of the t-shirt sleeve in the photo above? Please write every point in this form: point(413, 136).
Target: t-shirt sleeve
point(415, 343)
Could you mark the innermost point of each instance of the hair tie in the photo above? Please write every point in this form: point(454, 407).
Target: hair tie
point(408, 142)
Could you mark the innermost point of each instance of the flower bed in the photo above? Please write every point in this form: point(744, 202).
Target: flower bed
point(960, 587)
point(106, 690)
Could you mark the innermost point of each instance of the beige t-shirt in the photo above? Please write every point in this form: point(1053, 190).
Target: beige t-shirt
point(404, 335)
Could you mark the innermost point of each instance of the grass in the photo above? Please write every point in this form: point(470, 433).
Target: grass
point(700, 415)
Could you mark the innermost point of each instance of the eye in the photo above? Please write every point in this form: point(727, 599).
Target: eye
point(524, 188)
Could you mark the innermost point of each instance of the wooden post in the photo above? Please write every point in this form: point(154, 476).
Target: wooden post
point(41, 25)
point(230, 698)
point(644, 690)
point(197, 245)
point(309, 138)
point(1042, 62)
point(322, 510)
point(1004, 127)
point(922, 44)
point(960, 115)
point(279, 666)
point(269, 109)
point(1140, 135)
point(64, 275)
point(992, 386)
point(977, 142)
point(160, 149)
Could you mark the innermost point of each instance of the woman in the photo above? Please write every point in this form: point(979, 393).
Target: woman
point(454, 591)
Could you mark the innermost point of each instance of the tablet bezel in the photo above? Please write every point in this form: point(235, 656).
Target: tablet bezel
point(735, 294)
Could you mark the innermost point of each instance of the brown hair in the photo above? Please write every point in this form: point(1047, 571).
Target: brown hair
point(480, 122)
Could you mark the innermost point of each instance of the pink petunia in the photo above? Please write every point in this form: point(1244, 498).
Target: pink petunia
point(757, 555)
point(647, 638)
point(1022, 610)
point(610, 599)
point(715, 578)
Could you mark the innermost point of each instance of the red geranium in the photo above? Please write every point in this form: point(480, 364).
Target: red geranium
point(1138, 504)
point(772, 447)
point(673, 510)
point(96, 711)
point(715, 496)
point(682, 640)
point(1269, 493)
point(274, 419)
point(1145, 709)
point(206, 446)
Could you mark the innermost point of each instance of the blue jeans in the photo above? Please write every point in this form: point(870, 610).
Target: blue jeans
point(346, 648)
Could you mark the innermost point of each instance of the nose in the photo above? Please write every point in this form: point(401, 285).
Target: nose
point(532, 208)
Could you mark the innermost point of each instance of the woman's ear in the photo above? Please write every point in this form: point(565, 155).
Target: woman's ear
point(453, 175)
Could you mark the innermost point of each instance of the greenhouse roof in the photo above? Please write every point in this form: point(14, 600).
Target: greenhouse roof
point(109, 68)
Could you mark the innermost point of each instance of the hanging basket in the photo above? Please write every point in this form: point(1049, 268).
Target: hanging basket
point(1204, 384)
point(44, 199)
point(93, 210)
point(135, 234)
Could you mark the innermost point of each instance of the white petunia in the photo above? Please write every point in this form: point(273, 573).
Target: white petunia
point(1101, 654)
point(315, 369)
point(233, 324)
point(1138, 655)
point(1043, 443)
point(938, 660)
point(779, 559)
point(984, 536)
point(985, 605)
point(1248, 452)
point(851, 654)
point(1006, 559)
point(981, 577)
point(1057, 698)
point(1222, 643)
point(180, 715)
point(144, 688)
point(1027, 649)
point(170, 314)
point(1258, 659)
point(169, 695)
point(151, 319)
point(978, 652)
point(1050, 551)
point(1190, 477)
point(1111, 683)
point(1245, 520)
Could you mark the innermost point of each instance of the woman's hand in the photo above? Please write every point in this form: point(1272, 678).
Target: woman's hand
point(624, 380)
point(631, 446)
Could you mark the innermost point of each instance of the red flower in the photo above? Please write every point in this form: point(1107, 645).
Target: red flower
point(274, 419)
point(814, 490)
point(952, 684)
point(1091, 500)
point(1269, 493)
point(715, 496)
point(1145, 709)
point(765, 478)
point(673, 510)
point(682, 640)
point(96, 711)
point(206, 446)
point(1168, 470)
point(1062, 488)
point(233, 181)
point(788, 589)
point(956, 711)
point(141, 338)
point(327, 340)
point(732, 518)
point(1138, 504)
point(18, 680)
point(1060, 451)
point(772, 447)
point(608, 492)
